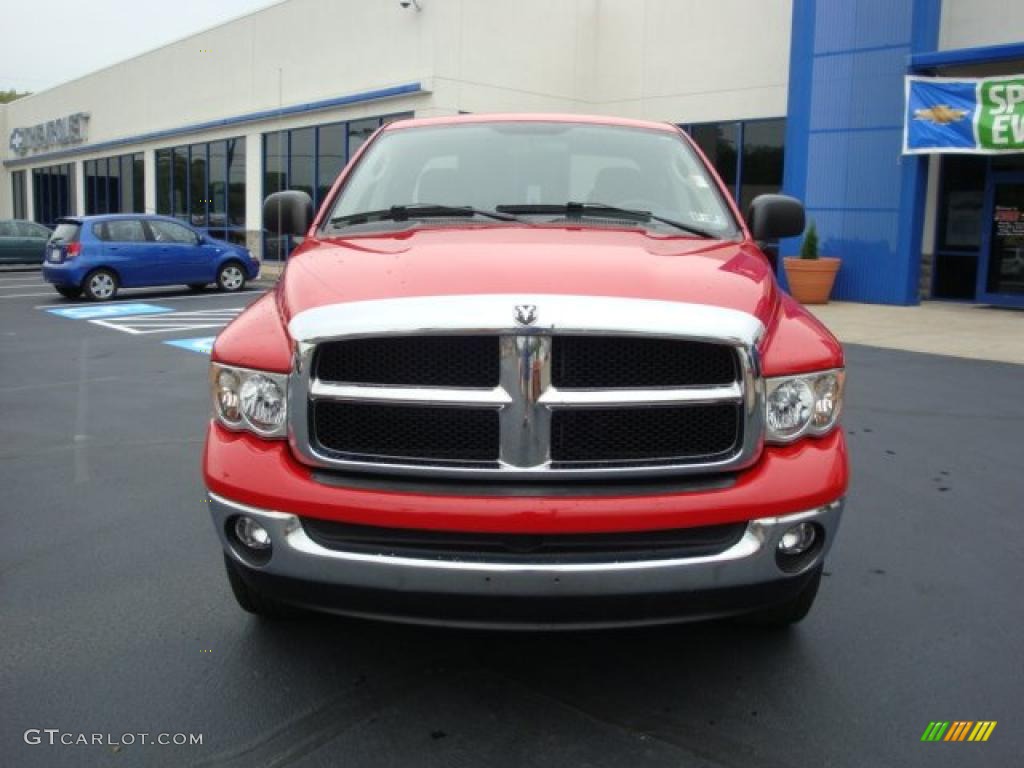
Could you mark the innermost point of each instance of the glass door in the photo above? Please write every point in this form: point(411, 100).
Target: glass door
point(1001, 277)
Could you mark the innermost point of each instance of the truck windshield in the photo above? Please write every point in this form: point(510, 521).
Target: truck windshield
point(538, 170)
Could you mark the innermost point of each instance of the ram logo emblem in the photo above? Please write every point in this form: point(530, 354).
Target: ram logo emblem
point(526, 314)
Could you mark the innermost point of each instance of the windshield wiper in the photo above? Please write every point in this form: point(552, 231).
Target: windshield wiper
point(576, 210)
point(417, 211)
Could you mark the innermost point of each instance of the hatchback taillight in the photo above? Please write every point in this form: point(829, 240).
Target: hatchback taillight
point(72, 249)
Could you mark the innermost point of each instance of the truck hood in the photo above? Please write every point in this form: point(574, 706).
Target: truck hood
point(440, 261)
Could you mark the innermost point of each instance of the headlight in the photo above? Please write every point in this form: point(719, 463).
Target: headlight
point(247, 399)
point(799, 405)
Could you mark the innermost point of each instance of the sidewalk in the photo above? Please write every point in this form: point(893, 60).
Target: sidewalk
point(972, 331)
point(271, 270)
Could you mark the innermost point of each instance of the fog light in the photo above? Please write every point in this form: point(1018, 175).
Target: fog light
point(798, 539)
point(252, 534)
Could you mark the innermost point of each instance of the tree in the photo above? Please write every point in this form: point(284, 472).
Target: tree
point(10, 95)
point(809, 250)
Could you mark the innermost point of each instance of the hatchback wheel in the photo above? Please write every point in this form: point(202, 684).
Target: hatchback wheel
point(231, 278)
point(100, 285)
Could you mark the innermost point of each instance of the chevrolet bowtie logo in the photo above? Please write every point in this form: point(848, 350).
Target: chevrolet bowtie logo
point(940, 114)
point(525, 314)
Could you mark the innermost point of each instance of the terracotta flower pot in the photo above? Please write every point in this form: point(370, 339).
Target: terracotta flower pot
point(810, 280)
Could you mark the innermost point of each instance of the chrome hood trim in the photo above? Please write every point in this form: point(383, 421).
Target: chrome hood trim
point(495, 313)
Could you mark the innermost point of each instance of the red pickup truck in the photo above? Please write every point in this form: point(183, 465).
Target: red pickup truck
point(527, 371)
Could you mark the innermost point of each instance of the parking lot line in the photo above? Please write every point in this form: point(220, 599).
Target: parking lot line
point(171, 322)
point(160, 298)
point(25, 295)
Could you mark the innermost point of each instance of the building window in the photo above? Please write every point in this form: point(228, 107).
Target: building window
point(748, 155)
point(18, 194)
point(310, 159)
point(179, 192)
point(763, 156)
point(718, 141)
point(331, 157)
point(52, 193)
point(235, 149)
point(114, 184)
point(958, 226)
point(198, 182)
point(204, 184)
point(217, 185)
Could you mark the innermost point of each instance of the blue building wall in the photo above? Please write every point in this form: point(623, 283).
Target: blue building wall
point(844, 136)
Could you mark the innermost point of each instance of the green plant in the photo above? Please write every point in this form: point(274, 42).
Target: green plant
point(809, 249)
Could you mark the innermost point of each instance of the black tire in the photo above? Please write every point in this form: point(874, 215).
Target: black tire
point(100, 285)
point(230, 277)
point(790, 612)
point(254, 602)
point(197, 286)
point(69, 291)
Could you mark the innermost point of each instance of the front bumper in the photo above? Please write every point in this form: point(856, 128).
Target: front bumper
point(455, 591)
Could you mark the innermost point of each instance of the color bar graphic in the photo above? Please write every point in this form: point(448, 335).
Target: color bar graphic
point(982, 730)
point(958, 730)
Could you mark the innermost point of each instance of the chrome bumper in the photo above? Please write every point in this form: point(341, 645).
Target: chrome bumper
point(751, 561)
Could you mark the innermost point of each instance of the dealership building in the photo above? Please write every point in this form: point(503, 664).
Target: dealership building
point(802, 96)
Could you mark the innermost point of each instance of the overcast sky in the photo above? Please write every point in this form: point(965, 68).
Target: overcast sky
point(46, 43)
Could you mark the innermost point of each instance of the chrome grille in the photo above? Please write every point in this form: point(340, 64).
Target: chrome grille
point(669, 388)
point(414, 361)
point(374, 432)
point(691, 433)
point(622, 362)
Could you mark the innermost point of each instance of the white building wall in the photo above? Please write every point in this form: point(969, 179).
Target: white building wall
point(675, 60)
point(316, 49)
point(693, 60)
point(500, 56)
point(975, 23)
point(670, 59)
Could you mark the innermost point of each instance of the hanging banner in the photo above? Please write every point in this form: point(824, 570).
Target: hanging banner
point(966, 115)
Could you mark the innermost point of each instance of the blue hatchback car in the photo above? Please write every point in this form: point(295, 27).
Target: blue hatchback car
point(97, 255)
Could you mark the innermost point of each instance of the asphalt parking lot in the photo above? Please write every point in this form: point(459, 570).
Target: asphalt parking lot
point(116, 616)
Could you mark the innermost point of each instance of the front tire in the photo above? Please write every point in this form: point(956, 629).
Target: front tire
point(69, 291)
point(790, 612)
point(230, 277)
point(100, 285)
point(253, 601)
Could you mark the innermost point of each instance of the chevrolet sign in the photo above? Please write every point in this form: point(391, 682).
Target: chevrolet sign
point(59, 132)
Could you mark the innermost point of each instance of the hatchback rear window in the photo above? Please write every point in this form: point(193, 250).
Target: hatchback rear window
point(66, 232)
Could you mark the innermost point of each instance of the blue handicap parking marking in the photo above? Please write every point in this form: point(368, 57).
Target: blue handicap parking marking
point(95, 312)
point(203, 346)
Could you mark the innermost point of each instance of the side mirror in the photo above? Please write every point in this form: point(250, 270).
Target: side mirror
point(288, 213)
point(773, 216)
